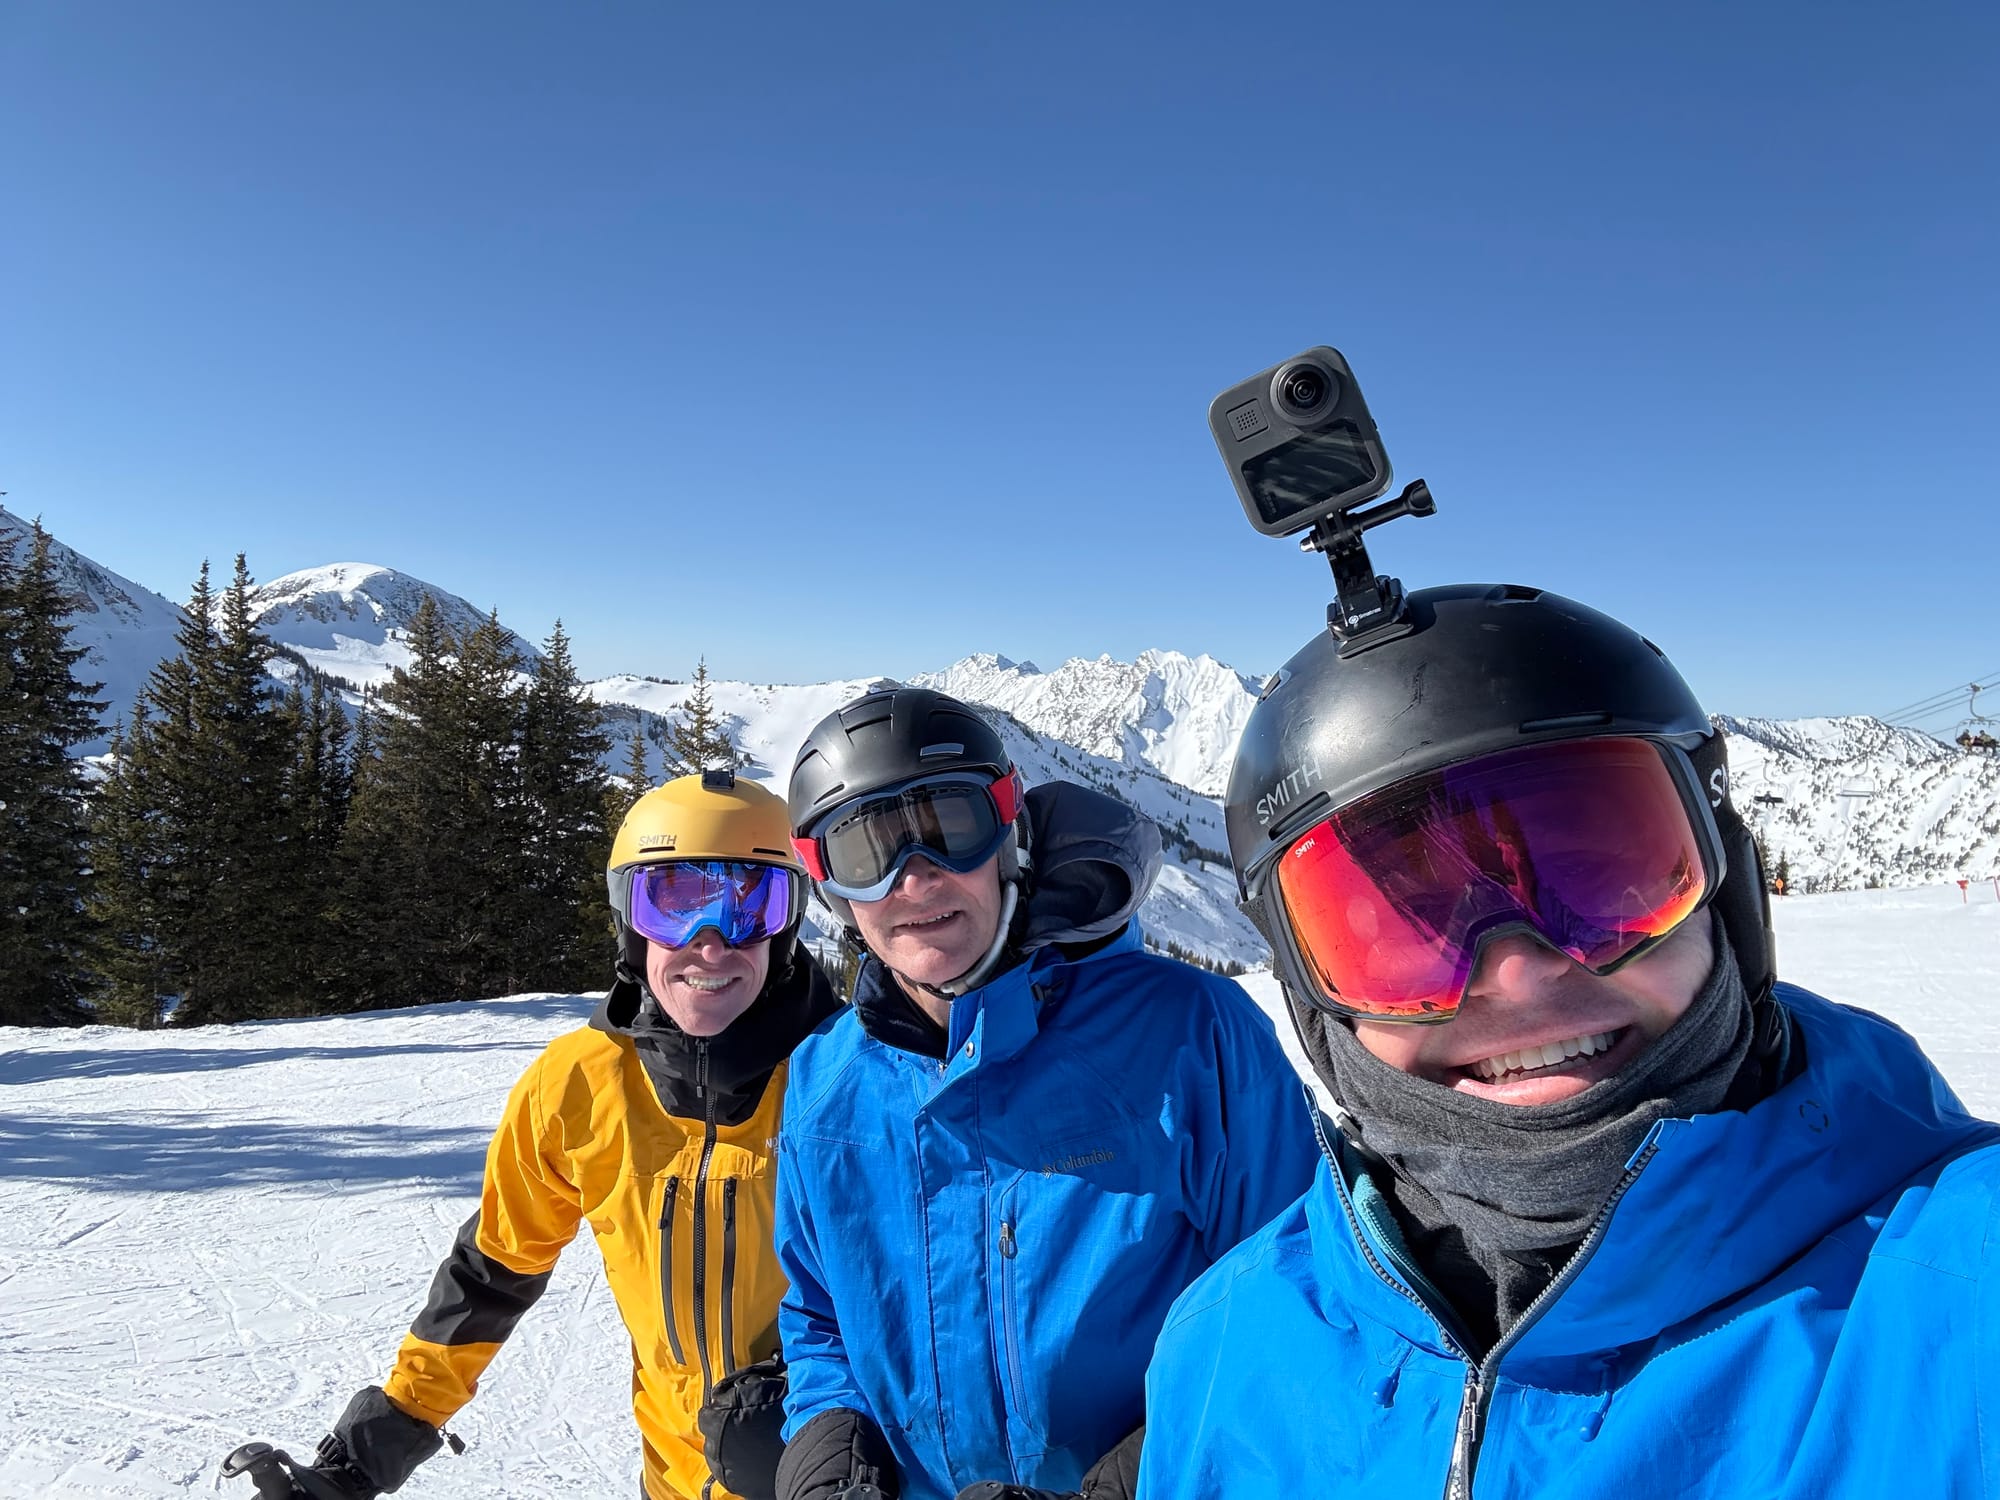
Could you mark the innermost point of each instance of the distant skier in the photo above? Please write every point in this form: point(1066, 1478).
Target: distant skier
point(1606, 1212)
point(1001, 1166)
point(653, 1124)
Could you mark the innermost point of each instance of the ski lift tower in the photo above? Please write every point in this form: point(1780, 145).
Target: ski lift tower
point(1852, 796)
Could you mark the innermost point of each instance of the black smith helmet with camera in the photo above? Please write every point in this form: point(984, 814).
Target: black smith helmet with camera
point(1473, 670)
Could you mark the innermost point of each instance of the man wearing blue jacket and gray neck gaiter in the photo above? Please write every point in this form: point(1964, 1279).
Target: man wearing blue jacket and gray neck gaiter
point(1024, 1139)
point(1603, 1209)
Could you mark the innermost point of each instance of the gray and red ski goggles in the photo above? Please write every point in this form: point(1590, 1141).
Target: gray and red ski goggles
point(954, 820)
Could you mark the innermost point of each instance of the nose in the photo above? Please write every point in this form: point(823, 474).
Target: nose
point(707, 946)
point(1515, 966)
point(917, 876)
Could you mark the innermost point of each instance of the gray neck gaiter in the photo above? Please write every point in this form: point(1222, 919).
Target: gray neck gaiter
point(1494, 1198)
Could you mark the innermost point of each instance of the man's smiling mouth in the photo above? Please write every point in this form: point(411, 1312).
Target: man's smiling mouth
point(1529, 1061)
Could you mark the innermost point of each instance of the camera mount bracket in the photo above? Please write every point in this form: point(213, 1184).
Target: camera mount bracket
point(1367, 607)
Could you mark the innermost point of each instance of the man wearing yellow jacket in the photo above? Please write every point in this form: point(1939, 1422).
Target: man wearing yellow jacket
point(654, 1124)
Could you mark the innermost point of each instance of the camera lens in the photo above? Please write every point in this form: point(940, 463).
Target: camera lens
point(1305, 389)
point(1304, 392)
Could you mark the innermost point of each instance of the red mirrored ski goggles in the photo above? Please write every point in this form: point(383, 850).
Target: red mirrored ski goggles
point(1600, 848)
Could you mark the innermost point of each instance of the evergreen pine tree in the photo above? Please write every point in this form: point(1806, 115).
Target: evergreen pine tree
point(493, 875)
point(323, 783)
point(150, 822)
point(399, 842)
point(361, 754)
point(132, 972)
point(193, 837)
point(700, 740)
point(638, 779)
point(563, 745)
point(253, 913)
point(317, 790)
point(45, 712)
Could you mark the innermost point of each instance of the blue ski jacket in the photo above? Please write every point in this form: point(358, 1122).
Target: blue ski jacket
point(982, 1250)
point(1798, 1300)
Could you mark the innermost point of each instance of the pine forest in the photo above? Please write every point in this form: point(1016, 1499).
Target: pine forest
point(252, 847)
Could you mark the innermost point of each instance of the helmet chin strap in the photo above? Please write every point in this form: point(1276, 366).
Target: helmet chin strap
point(973, 977)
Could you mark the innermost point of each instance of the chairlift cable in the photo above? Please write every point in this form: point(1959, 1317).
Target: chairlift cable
point(1938, 702)
point(1944, 696)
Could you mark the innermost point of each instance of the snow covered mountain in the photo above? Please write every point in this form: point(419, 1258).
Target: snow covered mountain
point(1845, 802)
point(1852, 801)
point(350, 620)
point(1179, 714)
point(127, 628)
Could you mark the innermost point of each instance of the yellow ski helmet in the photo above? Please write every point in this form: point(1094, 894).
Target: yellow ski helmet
point(707, 816)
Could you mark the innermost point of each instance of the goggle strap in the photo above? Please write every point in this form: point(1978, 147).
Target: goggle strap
point(1007, 796)
point(811, 857)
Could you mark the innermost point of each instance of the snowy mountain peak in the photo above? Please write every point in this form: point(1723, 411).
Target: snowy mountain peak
point(125, 627)
point(1178, 714)
point(349, 619)
point(1846, 737)
point(97, 590)
point(992, 661)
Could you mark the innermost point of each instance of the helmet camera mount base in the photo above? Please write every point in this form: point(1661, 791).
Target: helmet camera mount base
point(1367, 607)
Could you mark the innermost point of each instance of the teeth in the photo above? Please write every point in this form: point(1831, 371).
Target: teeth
point(706, 982)
point(932, 921)
point(1531, 1059)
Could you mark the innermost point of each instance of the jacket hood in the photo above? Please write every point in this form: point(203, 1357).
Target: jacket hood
point(728, 1070)
point(1094, 858)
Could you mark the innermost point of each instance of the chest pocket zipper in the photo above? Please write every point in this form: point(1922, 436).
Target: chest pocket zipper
point(667, 1270)
point(1010, 1249)
point(728, 1312)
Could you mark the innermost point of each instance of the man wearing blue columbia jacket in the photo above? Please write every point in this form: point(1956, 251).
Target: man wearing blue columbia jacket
point(1025, 1138)
point(1606, 1211)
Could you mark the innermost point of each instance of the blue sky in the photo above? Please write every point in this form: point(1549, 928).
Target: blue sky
point(828, 340)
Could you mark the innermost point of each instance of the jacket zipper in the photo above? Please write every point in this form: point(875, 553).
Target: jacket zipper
point(1479, 1385)
point(667, 1270)
point(1010, 1247)
point(700, 1266)
point(729, 1276)
point(1478, 1391)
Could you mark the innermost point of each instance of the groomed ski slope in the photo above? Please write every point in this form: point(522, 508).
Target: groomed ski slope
point(219, 1234)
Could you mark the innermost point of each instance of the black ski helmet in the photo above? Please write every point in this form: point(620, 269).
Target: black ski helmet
point(1470, 669)
point(884, 740)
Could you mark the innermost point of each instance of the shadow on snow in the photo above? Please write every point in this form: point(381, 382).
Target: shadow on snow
point(44, 1067)
point(149, 1157)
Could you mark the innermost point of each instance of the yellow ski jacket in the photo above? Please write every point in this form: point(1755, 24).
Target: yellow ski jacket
point(663, 1144)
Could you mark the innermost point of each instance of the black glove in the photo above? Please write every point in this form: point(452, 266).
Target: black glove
point(375, 1446)
point(1116, 1475)
point(1113, 1477)
point(838, 1455)
point(279, 1476)
point(331, 1476)
point(742, 1424)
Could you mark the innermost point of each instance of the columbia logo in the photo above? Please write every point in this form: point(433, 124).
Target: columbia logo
point(1068, 1164)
